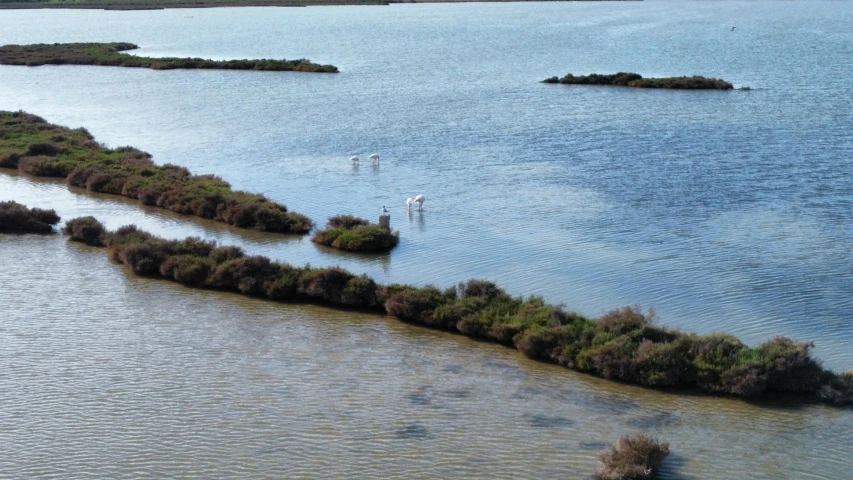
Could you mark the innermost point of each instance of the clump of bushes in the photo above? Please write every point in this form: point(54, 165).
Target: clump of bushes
point(15, 217)
point(633, 457)
point(624, 79)
point(110, 54)
point(624, 344)
point(86, 230)
point(356, 235)
point(33, 146)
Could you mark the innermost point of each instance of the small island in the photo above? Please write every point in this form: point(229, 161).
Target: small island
point(33, 146)
point(356, 235)
point(17, 218)
point(110, 54)
point(623, 79)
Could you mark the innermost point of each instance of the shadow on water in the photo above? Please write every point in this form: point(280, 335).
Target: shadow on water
point(413, 431)
point(540, 420)
point(417, 216)
point(672, 467)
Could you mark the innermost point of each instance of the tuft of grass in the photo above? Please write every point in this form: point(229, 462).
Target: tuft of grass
point(632, 457)
point(33, 146)
point(624, 79)
point(111, 54)
point(356, 235)
point(15, 217)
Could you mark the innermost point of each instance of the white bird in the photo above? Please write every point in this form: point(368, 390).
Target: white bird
point(354, 159)
point(420, 201)
point(409, 202)
point(375, 157)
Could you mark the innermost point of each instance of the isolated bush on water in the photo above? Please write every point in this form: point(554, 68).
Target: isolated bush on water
point(15, 217)
point(633, 457)
point(87, 230)
point(354, 234)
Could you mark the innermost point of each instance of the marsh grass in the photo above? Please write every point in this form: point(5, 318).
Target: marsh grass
point(624, 344)
point(111, 54)
point(33, 146)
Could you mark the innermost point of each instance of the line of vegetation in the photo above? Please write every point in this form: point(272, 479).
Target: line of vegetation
point(354, 234)
point(33, 146)
point(623, 79)
point(110, 54)
point(632, 457)
point(624, 344)
point(15, 217)
point(164, 4)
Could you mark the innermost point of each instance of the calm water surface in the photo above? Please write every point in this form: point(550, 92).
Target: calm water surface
point(722, 210)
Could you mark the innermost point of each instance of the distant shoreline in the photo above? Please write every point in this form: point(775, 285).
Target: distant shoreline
point(162, 5)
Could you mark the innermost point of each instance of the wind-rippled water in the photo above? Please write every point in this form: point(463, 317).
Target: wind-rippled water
point(725, 211)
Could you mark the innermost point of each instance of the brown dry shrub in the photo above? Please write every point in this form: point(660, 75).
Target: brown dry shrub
point(633, 457)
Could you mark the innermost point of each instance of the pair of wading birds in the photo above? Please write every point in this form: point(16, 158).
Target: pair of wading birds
point(409, 201)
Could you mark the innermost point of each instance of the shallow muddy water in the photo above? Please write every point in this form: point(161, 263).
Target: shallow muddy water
point(108, 375)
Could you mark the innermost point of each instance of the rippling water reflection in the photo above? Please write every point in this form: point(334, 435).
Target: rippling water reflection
point(108, 375)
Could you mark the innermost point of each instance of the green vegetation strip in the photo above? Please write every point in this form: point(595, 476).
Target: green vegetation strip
point(109, 54)
point(163, 4)
point(636, 80)
point(15, 217)
point(33, 146)
point(355, 234)
point(624, 344)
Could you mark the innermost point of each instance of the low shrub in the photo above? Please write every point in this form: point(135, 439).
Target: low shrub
point(633, 457)
point(356, 235)
point(15, 217)
point(87, 230)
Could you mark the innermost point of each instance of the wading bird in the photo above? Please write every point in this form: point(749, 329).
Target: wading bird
point(733, 29)
point(354, 159)
point(375, 157)
point(420, 201)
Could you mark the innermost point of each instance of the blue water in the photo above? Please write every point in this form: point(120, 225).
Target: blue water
point(725, 211)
